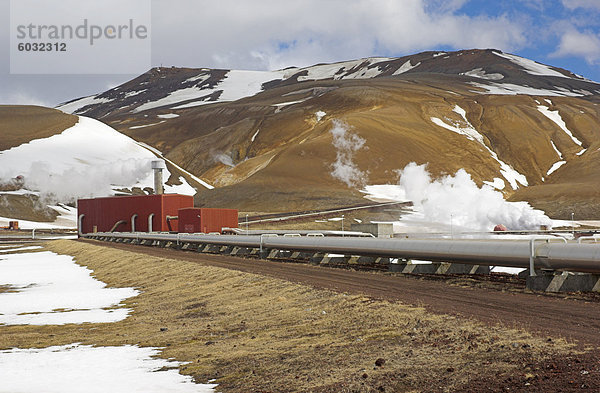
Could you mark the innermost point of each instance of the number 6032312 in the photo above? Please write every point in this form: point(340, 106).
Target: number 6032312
point(42, 47)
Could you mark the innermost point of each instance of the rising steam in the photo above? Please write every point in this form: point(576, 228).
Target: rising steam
point(458, 199)
point(82, 182)
point(346, 144)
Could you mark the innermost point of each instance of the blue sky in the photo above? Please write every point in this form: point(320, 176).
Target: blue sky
point(271, 34)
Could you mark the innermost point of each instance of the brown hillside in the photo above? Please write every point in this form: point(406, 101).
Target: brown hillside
point(21, 124)
point(288, 164)
point(481, 110)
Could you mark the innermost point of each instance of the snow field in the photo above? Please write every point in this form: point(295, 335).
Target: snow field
point(53, 289)
point(82, 368)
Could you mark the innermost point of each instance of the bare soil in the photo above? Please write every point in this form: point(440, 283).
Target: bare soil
point(263, 326)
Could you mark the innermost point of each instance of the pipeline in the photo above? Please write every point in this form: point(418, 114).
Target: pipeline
point(584, 257)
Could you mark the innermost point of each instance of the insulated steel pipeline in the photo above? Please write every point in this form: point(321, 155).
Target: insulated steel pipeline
point(584, 257)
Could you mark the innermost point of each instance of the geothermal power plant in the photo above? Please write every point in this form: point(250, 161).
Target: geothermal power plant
point(171, 220)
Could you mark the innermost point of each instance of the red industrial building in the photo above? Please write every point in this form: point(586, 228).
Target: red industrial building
point(196, 220)
point(151, 213)
point(142, 213)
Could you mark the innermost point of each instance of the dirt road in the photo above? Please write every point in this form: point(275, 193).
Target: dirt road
point(572, 318)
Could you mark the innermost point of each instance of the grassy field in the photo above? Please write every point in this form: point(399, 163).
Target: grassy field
point(257, 334)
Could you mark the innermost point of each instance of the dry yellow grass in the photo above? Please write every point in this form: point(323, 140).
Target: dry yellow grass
point(254, 333)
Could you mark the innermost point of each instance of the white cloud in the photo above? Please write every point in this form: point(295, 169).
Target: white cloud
point(269, 34)
point(573, 4)
point(574, 43)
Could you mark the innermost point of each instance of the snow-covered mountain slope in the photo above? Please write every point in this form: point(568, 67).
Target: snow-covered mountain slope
point(87, 159)
point(180, 88)
point(302, 138)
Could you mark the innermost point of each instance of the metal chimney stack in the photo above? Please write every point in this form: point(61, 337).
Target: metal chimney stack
point(157, 167)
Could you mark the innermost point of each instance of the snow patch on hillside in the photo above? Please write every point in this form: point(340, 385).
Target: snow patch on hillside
point(558, 152)
point(146, 125)
point(455, 200)
point(532, 67)
point(557, 119)
point(255, 135)
point(512, 89)
point(509, 173)
point(407, 66)
point(168, 116)
point(555, 167)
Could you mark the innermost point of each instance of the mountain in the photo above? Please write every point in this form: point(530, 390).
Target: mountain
point(303, 138)
point(315, 137)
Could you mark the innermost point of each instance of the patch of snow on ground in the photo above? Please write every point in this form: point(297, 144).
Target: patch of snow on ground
point(557, 119)
point(532, 67)
point(480, 73)
point(27, 248)
point(134, 93)
point(498, 183)
point(405, 67)
point(74, 106)
point(560, 155)
point(146, 125)
point(201, 78)
point(555, 166)
point(455, 202)
point(82, 368)
point(581, 152)
point(320, 115)
point(184, 188)
point(53, 290)
point(254, 136)
point(512, 89)
point(168, 116)
point(508, 172)
point(288, 103)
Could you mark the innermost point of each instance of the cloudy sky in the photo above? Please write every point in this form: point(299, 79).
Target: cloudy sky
point(272, 34)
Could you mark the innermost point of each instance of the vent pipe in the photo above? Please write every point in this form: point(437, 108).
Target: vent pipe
point(157, 167)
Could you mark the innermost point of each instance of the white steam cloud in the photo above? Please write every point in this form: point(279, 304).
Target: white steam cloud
point(89, 181)
point(346, 144)
point(86, 160)
point(459, 200)
point(224, 159)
